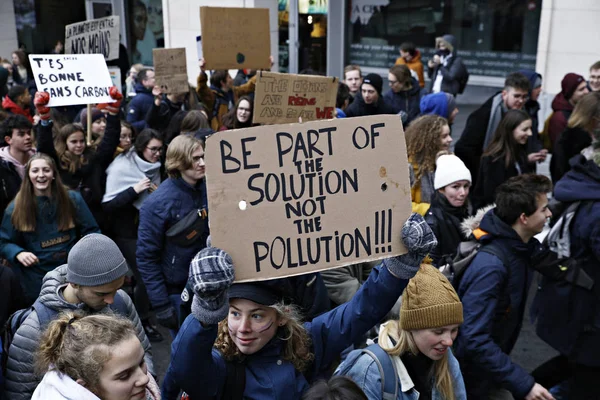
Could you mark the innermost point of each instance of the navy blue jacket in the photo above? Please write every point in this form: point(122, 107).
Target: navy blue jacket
point(407, 101)
point(200, 370)
point(163, 264)
point(568, 317)
point(494, 297)
point(139, 106)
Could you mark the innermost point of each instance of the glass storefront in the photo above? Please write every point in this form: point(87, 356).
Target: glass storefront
point(495, 37)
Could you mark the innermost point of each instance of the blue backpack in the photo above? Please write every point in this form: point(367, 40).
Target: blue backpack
point(387, 370)
point(45, 315)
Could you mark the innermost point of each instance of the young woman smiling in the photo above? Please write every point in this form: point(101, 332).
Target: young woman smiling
point(505, 157)
point(81, 167)
point(419, 344)
point(42, 224)
point(240, 116)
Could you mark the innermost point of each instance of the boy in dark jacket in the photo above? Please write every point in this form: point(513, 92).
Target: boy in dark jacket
point(482, 123)
point(142, 102)
point(370, 102)
point(494, 291)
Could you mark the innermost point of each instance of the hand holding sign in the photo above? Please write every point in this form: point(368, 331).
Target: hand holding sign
point(41, 101)
point(113, 107)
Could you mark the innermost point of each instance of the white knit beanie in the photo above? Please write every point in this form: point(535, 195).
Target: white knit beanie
point(450, 169)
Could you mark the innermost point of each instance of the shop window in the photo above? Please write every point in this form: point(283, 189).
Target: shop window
point(494, 37)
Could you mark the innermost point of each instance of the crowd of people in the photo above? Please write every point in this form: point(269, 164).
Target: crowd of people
point(105, 234)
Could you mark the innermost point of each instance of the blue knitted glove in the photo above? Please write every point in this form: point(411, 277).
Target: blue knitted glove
point(211, 274)
point(419, 240)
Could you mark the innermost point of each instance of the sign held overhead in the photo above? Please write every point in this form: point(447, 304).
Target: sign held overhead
point(292, 199)
point(170, 70)
point(72, 79)
point(97, 36)
point(283, 98)
point(235, 38)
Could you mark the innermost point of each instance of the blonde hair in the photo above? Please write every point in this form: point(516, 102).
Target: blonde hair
point(297, 340)
point(405, 343)
point(179, 154)
point(586, 112)
point(78, 346)
point(423, 142)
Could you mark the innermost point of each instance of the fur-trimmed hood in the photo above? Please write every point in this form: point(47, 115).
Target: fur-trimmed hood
point(469, 224)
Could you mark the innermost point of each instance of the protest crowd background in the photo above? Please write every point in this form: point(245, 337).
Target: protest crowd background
point(135, 267)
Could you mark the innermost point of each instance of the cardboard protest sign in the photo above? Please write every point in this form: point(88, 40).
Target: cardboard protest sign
point(291, 199)
point(97, 36)
point(235, 38)
point(170, 70)
point(283, 98)
point(72, 79)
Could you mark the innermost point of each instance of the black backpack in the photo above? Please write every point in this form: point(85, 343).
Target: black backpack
point(463, 78)
point(466, 252)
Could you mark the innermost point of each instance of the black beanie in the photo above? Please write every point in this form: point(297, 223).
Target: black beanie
point(375, 81)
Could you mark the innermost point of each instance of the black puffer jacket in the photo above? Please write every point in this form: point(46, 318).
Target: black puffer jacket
point(359, 108)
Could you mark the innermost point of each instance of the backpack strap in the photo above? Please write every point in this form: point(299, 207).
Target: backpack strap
point(494, 249)
point(387, 371)
point(45, 314)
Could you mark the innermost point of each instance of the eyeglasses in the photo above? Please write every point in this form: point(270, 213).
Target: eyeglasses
point(392, 83)
point(155, 150)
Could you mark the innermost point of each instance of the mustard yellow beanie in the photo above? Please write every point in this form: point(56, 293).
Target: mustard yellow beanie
point(429, 301)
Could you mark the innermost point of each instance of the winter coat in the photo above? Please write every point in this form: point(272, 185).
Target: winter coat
point(414, 64)
point(12, 108)
point(343, 283)
point(163, 264)
point(452, 72)
point(568, 317)
point(470, 146)
point(218, 102)
point(57, 386)
point(50, 245)
point(562, 110)
point(532, 107)
point(569, 144)
point(10, 183)
point(11, 295)
point(494, 297)
point(200, 369)
point(365, 372)
point(21, 379)
point(406, 101)
point(158, 117)
point(359, 108)
point(90, 179)
point(445, 221)
point(138, 107)
point(493, 173)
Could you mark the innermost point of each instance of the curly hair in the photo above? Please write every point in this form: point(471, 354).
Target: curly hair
point(297, 340)
point(423, 142)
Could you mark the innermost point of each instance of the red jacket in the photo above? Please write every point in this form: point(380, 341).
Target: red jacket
point(558, 121)
point(13, 108)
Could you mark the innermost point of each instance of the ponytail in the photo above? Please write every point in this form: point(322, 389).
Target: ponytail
point(78, 345)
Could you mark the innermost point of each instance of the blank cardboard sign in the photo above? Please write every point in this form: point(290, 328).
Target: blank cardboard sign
point(170, 70)
point(297, 198)
point(283, 98)
point(235, 38)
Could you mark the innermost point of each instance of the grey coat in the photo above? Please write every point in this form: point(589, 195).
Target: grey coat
point(21, 379)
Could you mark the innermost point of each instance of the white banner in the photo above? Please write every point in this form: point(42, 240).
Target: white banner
point(72, 79)
point(97, 36)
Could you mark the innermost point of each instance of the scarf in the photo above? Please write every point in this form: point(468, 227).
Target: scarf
point(126, 171)
point(152, 390)
point(495, 117)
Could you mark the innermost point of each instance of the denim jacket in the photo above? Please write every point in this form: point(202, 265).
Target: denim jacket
point(365, 373)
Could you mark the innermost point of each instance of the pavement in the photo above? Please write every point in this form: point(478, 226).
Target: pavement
point(529, 351)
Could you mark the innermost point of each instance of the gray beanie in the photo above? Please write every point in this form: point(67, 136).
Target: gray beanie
point(94, 261)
